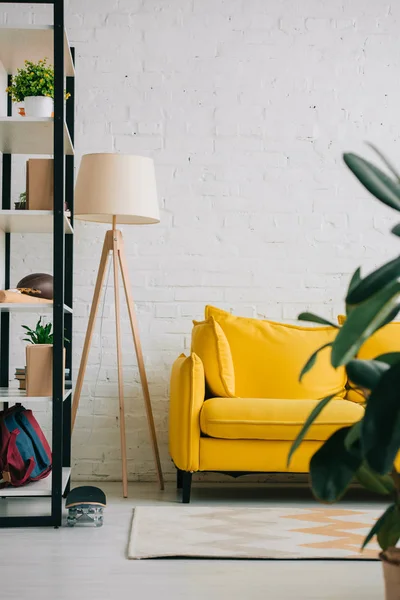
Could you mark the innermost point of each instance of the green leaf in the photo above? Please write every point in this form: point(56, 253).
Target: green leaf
point(384, 160)
point(307, 316)
point(380, 437)
point(355, 279)
point(363, 321)
point(309, 421)
point(366, 373)
point(333, 467)
point(312, 360)
point(374, 180)
point(396, 229)
point(379, 484)
point(374, 282)
point(389, 532)
point(376, 528)
point(353, 435)
point(390, 358)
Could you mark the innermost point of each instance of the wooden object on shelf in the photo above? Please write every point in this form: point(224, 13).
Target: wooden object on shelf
point(39, 369)
point(39, 184)
point(9, 296)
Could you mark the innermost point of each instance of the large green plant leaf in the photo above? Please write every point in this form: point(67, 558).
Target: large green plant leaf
point(396, 229)
point(380, 484)
point(390, 358)
point(355, 279)
point(312, 360)
point(310, 317)
point(363, 321)
point(333, 467)
point(309, 421)
point(376, 528)
point(374, 282)
point(374, 180)
point(366, 373)
point(389, 532)
point(385, 160)
point(353, 436)
point(380, 434)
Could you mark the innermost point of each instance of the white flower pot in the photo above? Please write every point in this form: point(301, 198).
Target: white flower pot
point(38, 106)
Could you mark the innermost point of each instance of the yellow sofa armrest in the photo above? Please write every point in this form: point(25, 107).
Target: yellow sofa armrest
point(355, 396)
point(186, 399)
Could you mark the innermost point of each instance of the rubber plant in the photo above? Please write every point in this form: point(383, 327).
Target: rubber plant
point(366, 451)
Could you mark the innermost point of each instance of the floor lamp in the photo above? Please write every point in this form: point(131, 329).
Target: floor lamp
point(116, 188)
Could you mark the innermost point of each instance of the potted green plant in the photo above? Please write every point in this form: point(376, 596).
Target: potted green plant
point(21, 204)
point(366, 452)
point(34, 86)
point(39, 359)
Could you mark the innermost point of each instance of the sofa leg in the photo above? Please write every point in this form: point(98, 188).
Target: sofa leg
point(186, 486)
point(179, 475)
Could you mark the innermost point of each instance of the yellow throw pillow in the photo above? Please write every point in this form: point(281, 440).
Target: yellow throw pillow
point(210, 344)
point(384, 340)
point(268, 358)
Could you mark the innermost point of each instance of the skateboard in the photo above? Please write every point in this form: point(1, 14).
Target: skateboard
point(88, 502)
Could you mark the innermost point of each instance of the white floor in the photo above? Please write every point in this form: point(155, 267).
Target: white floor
point(90, 564)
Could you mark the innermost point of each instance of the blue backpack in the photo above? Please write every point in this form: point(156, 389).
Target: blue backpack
point(25, 454)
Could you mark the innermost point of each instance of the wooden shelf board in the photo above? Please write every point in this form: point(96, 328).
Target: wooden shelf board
point(30, 221)
point(36, 488)
point(16, 396)
point(30, 307)
point(29, 135)
point(34, 42)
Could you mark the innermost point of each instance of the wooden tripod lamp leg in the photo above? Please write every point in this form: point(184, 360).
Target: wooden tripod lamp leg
point(119, 367)
point(91, 323)
point(139, 354)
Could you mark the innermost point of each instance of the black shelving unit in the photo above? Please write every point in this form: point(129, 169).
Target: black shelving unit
point(59, 133)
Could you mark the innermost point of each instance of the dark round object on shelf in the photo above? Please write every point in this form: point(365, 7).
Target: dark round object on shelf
point(39, 285)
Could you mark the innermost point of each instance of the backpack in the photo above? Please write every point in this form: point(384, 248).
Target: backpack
point(25, 454)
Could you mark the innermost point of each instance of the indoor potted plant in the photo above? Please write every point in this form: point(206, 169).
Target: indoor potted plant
point(34, 85)
point(366, 452)
point(39, 359)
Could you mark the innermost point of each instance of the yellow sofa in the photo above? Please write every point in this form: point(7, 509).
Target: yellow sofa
point(236, 403)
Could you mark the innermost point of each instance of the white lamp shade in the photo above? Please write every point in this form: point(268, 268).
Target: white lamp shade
point(116, 185)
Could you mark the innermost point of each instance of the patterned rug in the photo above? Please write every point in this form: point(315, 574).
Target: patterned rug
point(251, 533)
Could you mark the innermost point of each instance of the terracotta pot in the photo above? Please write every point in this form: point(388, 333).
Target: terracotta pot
point(39, 370)
point(391, 573)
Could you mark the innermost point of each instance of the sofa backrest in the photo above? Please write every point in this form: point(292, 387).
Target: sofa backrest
point(268, 358)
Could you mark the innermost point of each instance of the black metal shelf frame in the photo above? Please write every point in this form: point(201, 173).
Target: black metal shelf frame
point(62, 273)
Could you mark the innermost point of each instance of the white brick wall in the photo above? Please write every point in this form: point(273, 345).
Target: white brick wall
point(245, 106)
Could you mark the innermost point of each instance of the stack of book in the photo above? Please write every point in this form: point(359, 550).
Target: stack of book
point(20, 376)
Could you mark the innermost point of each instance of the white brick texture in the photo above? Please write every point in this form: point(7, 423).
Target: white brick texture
point(246, 107)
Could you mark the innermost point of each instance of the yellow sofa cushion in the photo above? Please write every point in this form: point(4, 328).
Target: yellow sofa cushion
point(355, 396)
point(268, 358)
point(273, 419)
point(210, 344)
point(384, 340)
